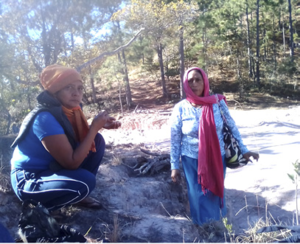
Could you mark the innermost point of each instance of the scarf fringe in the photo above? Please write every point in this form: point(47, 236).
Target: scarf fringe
point(203, 188)
point(205, 191)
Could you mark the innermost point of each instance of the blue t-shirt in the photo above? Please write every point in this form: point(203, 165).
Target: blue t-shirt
point(30, 152)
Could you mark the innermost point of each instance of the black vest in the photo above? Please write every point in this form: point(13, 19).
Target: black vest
point(47, 103)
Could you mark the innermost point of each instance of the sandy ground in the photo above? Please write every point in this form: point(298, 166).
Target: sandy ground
point(268, 189)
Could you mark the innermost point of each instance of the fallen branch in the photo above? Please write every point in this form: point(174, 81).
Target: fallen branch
point(79, 68)
point(154, 165)
point(149, 153)
point(154, 154)
point(143, 166)
point(135, 108)
point(165, 113)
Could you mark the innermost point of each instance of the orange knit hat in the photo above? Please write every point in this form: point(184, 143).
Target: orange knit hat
point(55, 77)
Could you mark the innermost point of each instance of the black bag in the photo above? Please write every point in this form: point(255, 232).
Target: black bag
point(37, 225)
point(233, 155)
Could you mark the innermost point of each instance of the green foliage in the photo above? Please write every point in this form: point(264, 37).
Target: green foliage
point(288, 67)
point(296, 165)
point(172, 72)
point(291, 177)
point(227, 225)
point(36, 33)
point(294, 178)
point(141, 51)
point(150, 66)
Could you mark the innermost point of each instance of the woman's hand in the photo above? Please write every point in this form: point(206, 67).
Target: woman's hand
point(60, 148)
point(100, 120)
point(251, 154)
point(112, 124)
point(175, 175)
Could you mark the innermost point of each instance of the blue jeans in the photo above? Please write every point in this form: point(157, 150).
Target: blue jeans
point(56, 189)
point(206, 207)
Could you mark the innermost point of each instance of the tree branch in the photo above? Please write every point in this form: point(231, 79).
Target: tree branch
point(79, 68)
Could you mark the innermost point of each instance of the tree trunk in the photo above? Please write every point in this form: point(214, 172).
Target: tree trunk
point(252, 57)
point(162, 73)
point(265, 44)
point(46, 48)
point(92, 85)
point(120, 98)
point(283, 35)
point(257, 44)
point(204, 46)
point(181, 53)
point(126, 79)
point(90, 71)
point(29, 100)
point(253, 69)
point(248, 42)
point(93, 88)
point(238, 70)
point(167, 68)
point(8, 122)
point(274, 48)
point(124, 70)
point(291, 31)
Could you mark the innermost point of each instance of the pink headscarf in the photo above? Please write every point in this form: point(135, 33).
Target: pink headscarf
point(210, 165)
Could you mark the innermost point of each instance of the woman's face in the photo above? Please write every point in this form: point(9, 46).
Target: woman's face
point(196, 82)
point(71, 95)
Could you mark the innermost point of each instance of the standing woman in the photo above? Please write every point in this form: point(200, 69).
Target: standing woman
point(197, 137)
point(57, 155)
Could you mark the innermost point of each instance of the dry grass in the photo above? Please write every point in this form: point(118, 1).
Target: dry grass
point(70, 211)
point(116, 160)
point(143, 121)
point(4, 178)
point(115, 233)
point(109, 233)
point(252, 236)
point(212, 232)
